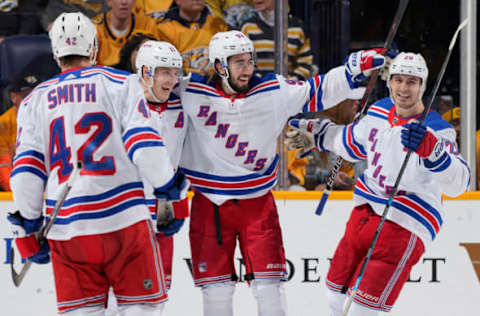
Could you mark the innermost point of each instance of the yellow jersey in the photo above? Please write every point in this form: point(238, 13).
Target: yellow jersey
point(191, 38)
point(109, 44)
point(153, 8)
point(8, 134)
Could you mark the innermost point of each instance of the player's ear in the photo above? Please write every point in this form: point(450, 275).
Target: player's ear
point(146, 75)
point(219, 68)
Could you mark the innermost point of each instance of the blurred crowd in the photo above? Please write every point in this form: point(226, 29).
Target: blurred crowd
point(189, 25)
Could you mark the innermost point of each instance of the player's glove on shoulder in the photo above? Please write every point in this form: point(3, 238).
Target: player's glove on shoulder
point(424, 141)
point(25, 231)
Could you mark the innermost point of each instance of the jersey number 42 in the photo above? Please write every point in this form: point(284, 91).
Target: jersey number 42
point(60, 152)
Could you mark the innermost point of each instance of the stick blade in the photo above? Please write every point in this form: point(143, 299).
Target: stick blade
point(15, 277)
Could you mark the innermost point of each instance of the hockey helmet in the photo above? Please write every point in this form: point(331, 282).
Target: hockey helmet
point(409, 64)
point(73, 34)
point(226, 44)
point(153, 54)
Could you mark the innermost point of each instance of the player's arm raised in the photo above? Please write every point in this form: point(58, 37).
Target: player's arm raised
point(324, 91)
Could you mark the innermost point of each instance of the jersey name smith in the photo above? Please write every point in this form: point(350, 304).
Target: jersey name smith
point(71, 93)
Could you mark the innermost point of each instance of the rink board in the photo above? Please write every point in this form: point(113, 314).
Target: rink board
point(445, 281)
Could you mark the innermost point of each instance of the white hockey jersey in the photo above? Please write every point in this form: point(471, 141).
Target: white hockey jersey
point(97, 115)
point(230, 147)
point(377, 138)
point(168, 118)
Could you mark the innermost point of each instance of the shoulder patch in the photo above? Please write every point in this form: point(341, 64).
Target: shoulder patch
point(194, 77)
point(385, 103)
point(256, 80)
point(436, 122)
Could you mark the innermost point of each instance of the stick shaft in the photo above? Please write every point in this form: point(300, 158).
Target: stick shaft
point(18, 277)
point(402, 6)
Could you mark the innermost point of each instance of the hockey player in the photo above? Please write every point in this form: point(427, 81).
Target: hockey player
point(230, 158)
point(415, 217)
point(159, 66)
point(102, 235)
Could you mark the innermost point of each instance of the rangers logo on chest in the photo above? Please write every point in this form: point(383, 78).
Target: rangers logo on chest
point(232, 141)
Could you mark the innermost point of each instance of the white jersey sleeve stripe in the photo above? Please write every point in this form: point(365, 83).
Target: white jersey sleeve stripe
point(315, 103)
point(140, 137)
point(353, 148)
point(30, 161)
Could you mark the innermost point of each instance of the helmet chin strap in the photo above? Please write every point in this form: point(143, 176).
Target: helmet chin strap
point(227, 84)
point(151, 92)
point(226, 81)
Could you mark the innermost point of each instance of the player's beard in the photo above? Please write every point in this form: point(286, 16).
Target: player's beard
point(237, 88)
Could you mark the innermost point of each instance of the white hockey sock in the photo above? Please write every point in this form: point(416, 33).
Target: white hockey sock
point(141, 309)
point(360, 310)
point(270, 296)
point(336, 301)
point(218, 299)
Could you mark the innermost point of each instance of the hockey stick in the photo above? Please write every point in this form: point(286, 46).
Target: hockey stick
point(363, 105)
point(400, 173)
point(42, 236)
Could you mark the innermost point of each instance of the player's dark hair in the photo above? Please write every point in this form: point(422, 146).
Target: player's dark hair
point(131, 45)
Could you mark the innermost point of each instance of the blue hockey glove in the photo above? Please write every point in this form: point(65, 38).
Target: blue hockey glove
point(172, 205)
point(25, 231)
point(359, 65)
point(171, 228)
point(175, 190)
point(423, 141)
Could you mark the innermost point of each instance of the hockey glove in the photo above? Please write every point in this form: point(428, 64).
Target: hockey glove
point(359, 65)
point(171, 228)
point(295, 139)
point(306, 134)
point(25, 231)
point(175, 190)
point(164, 212)
point(423, 140)
point(170, 216)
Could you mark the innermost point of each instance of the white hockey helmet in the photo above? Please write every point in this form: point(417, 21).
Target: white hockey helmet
point(409, 64)
point(73, 34)
point(226, 44)
point(153, 54)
